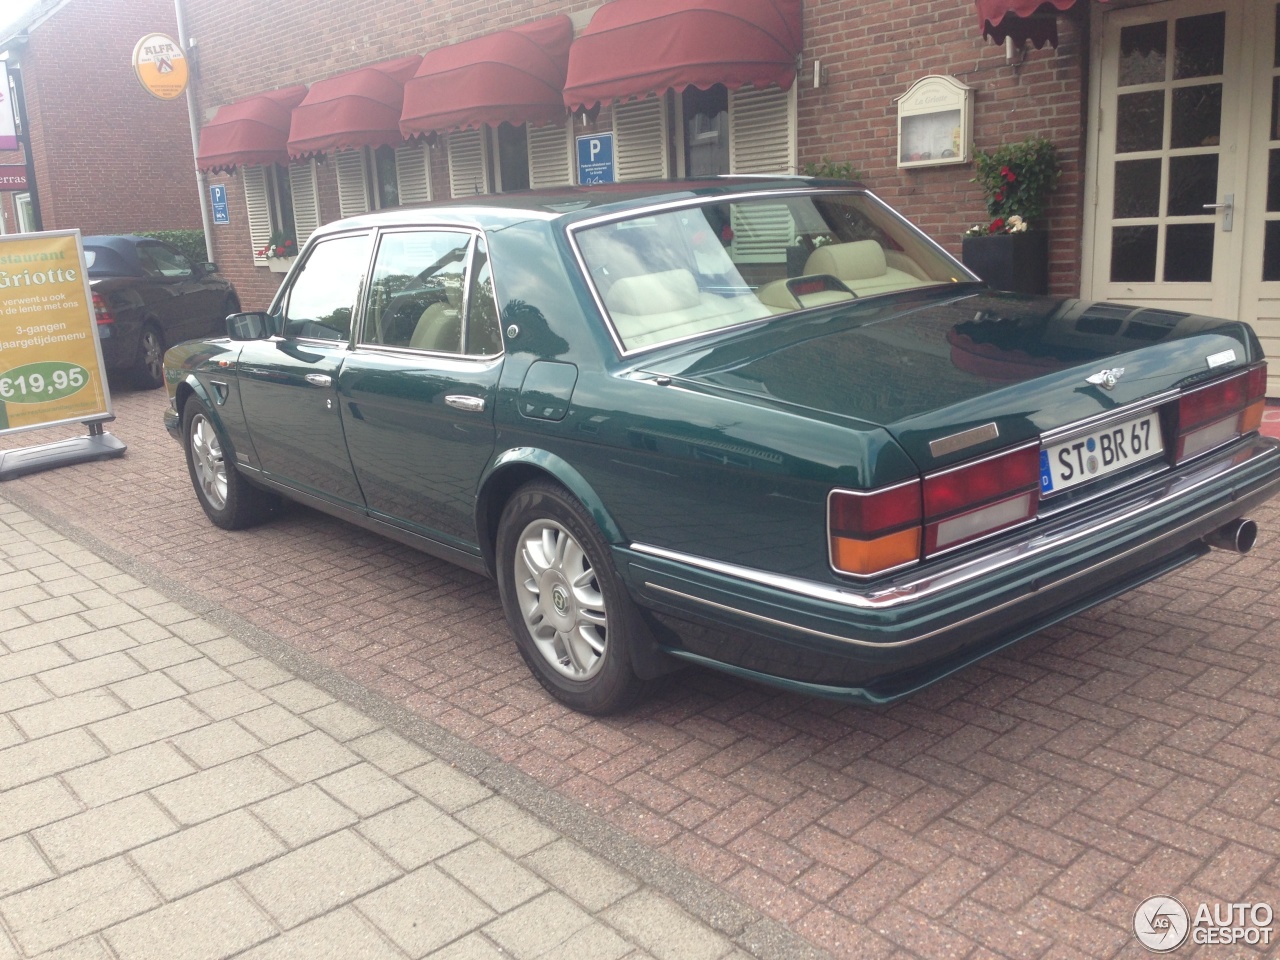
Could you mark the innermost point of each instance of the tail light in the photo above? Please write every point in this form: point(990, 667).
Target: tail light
point(1221, 411)
point(881, 530)
point(977, 499)
point(874, 532)
point(100, 311)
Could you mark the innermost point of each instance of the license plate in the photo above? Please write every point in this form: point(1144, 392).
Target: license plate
point(1100, 452)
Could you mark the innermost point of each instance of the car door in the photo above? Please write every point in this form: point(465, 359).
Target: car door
point(288, 383)
point(182, 298)
point(418, 389)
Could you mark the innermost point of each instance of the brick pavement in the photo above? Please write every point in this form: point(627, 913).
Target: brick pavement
point(167, 792)
point(1020, 809)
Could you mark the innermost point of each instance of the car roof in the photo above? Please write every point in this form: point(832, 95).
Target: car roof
point(115, 255)
point(577, 203)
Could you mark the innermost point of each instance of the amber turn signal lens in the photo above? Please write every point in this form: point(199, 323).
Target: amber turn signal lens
point(865, 557)
point(1251, 418)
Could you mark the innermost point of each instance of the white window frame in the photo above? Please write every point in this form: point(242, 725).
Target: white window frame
point(262, 204)
point(23, 213)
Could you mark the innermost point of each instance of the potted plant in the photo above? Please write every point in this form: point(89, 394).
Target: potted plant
point(279, 252)
point(1011, 250)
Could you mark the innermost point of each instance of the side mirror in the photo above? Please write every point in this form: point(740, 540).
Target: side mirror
point(250, 326)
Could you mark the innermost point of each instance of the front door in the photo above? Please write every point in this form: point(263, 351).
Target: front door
point(289, 383)
point(1181, 159)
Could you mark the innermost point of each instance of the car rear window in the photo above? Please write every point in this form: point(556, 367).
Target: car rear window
point(105, 262)
point(677, 273)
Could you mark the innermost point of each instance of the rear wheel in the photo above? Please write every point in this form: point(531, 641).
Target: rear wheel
point(228, 499)
point(148, 366)
point(573, 621)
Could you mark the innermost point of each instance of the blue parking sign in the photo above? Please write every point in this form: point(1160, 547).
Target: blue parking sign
point(595, 159)
point(218, 200)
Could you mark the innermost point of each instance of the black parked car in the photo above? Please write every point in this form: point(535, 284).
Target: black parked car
point(148, 296)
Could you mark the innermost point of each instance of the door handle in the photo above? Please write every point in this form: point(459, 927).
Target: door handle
point(319, 379)
point(1227, 206)
point(469, 404)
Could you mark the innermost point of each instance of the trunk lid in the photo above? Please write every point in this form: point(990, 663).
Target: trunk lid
point(929, 366)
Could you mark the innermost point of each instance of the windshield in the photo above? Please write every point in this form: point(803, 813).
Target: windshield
point(671, 275)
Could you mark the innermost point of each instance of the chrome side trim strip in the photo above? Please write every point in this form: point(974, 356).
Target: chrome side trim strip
point(935, 583)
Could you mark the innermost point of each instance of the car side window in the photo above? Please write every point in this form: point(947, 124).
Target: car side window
point(160, 261)
point(416, 295)
point(323, 296)
point(484, 335)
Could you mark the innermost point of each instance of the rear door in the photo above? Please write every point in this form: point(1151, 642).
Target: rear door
point(418, 389)
point(288, 384)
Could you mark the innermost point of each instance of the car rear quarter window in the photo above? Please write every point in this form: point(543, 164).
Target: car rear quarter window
point(673, 274)
point(322, 297)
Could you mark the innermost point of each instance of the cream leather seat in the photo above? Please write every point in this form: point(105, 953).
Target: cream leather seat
point(861, 265)
point(438, 329)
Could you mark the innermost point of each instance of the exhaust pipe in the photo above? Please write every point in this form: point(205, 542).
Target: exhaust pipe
point(1238, 536)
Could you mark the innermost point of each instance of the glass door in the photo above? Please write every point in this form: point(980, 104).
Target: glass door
point(1260, 279)
point(1172, 107)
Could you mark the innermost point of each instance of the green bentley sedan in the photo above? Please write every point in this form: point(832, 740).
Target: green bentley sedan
point(767, 427)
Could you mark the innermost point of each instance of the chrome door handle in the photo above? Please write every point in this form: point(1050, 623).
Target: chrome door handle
point(469, 404)
point(1227, 206)
point(319, 379)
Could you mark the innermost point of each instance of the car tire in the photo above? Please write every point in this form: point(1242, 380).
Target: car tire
point(148, 365)
point(228, 499)
point(573, 621)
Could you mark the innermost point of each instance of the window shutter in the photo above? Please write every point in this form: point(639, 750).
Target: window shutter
point(762, 130)
point(413, 171)
point(468, 163)
point(640, 139)
point(761, 232)
point(306, 199)
point(550, 156)
point(353, 182)
point(259, 209)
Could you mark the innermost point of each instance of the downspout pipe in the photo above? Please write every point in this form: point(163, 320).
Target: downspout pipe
point(193, 118)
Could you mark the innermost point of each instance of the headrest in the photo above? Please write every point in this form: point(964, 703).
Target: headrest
point(858, 260)
point(653, 293)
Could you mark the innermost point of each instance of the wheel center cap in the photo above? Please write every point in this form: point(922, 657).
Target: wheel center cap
point(560, 599)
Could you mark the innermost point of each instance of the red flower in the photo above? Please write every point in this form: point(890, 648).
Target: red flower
point(280, 251)
point(999, 196)
point(288, 243)
point(1008, 174)
point(996, 225)
point(726, 233)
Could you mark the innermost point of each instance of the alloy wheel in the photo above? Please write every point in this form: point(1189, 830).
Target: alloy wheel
point(206, 458)
point(560, 599)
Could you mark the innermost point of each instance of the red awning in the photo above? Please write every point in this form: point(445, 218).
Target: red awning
point(633, 48)
point(514, 75)
point(249, 131)
point(1034, 20)
point(359, 108)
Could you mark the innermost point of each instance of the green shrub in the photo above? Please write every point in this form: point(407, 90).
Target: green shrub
point(189, 242)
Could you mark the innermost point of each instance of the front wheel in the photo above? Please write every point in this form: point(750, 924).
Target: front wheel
point(228, 499)
point(573, 621)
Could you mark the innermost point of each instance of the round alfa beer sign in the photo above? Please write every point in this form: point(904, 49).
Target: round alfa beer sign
point(160, 65)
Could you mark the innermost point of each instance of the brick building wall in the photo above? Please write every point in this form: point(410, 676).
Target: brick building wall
point(109, 157)
point(872, 51)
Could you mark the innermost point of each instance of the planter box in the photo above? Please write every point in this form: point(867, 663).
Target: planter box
point(280, 264)
point(1011, 261)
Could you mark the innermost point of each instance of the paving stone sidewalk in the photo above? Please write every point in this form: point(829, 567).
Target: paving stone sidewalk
point(166, 791)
